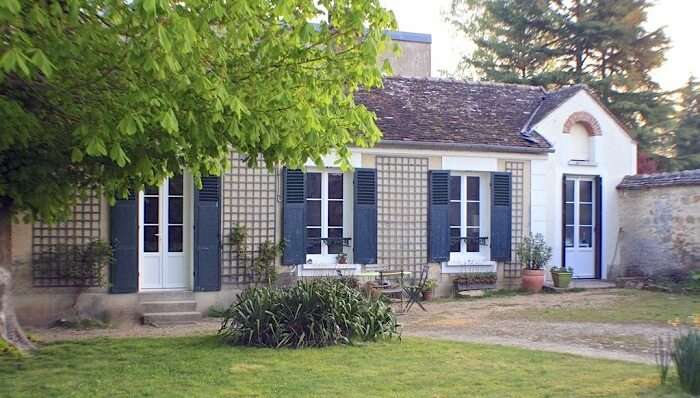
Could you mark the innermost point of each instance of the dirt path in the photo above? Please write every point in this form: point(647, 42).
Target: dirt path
point(499, 320)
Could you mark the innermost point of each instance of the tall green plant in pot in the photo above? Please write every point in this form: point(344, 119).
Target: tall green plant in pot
point(534, 254)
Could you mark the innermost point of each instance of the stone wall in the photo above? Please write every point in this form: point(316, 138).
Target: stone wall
point(413, 61)
point(660, 230)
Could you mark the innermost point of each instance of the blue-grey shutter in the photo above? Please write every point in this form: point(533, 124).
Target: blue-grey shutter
point(438, 215)
point(598, 227)
point(501, 221)
point(123, 230)
point(293, 221)
point(207, 235)
point(563, 220)
point(365, 217)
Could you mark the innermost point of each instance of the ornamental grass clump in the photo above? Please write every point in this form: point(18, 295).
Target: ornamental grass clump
point(313, 313)
point(686, 357)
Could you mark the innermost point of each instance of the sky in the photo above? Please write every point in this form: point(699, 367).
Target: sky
point(680, 18)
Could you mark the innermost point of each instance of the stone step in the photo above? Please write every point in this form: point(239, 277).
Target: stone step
point(168, 306)
point(174, 295)
point(171, 318)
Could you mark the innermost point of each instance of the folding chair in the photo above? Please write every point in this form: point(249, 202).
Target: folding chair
point(414, 290)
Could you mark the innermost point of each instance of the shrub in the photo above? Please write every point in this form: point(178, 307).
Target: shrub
point(686, 356)
point(313, 313)
point(534, 252)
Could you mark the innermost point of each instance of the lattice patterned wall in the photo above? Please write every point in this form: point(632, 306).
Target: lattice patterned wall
point(81, 228)
point(249, 200)
point(402, 191)
point(511, 269)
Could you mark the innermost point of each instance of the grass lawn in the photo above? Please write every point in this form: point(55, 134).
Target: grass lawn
point(201, 366)
point(628, 306)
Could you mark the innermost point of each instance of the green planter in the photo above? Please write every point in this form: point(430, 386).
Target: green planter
point(561, 279)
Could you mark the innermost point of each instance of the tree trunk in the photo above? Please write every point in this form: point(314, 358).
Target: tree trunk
point(10, 330)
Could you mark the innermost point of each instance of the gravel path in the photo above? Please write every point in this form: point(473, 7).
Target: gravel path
point(499, 320)
point(496, 320)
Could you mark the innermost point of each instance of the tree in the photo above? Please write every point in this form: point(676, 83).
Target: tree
point(553, 43)
point(686, 135)
point(115, 95)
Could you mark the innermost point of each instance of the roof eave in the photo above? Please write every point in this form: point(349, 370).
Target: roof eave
point(465, 146)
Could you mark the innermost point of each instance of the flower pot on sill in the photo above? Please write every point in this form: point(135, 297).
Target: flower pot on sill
point(533, 279)
point(561, 279)
point(427, 295)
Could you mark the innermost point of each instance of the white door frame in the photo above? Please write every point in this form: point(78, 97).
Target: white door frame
point(576, 255)
point(174, 269)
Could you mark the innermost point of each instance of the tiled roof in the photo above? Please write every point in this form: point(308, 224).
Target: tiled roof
point(553, 99)
point(678, 178)
point(443, 111)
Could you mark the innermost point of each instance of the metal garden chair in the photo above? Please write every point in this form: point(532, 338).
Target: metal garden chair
point(414, 290)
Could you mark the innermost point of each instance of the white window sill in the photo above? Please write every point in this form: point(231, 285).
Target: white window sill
point(327, 269)
point(467, 266)
point(587, 163)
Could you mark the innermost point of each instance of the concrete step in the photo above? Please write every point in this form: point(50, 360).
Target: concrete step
point(171, 318)
point(174, 295)
point(169, 306)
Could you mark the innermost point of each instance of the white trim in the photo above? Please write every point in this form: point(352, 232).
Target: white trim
point(327, 269)
point(330, 160)
point(468, 267)
point(465, 163)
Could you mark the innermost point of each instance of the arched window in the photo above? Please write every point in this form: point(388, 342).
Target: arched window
point(581, 127)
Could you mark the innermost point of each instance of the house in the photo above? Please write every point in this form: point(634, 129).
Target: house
point(463, 172)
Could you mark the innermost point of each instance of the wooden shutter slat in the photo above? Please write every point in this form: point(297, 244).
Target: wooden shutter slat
point(438, 215)
point(365, 217)
point(207, 235)
point(501, 216)
point(293, 217)
point(598, 227)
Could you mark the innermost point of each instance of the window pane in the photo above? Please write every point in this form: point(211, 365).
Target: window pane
point(585, 214)
point(174, 210)
point(472, 239)
point(585, 237)
point(586, 191)
point(335, 244)
point(335, 186)
point(473, 214)
point(569, 191)
point(313, 185)
point(313, 242)
point(175, 185)
point(150, 239)
point(569, 238)
point(454, 240)
point(150, 210)
point(335, 214)
point(472, 188)
point(455, 214)
point(455, 187)
point(569, 213)
point(175, 239)
point(313, 213)
point(150, 190)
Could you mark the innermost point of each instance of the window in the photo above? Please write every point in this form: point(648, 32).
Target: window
point(579, 143)
point(465, 214)
point(324, 214)
point(578, 213)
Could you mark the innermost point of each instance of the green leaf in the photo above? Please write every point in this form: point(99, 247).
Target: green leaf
point(95, 146)
point(169, 122)
point(149, 6)
point(11, 5)
point(76, 155)
point(127, 125)
point(40, 60)
point(117, 154)
point(8, 61)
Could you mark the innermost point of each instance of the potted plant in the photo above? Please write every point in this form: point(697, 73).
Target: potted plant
point(428, 289)
point(534, 253)
point(561, 276)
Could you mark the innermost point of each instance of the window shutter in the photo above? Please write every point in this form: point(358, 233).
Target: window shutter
point(563, 220)
point(207, 235)
point(501, 221)
point(598, 226)
point(438, 215)
point(124, 270)
point(365, 217)
point(293, 221)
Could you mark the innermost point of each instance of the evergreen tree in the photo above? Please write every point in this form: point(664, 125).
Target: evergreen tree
point(602, 43)
point(687, 133)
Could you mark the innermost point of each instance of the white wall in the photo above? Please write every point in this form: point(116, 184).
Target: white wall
point(614, 155)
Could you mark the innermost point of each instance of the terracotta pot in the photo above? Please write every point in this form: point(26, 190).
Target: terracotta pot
point(533, 279)
point(427, 295)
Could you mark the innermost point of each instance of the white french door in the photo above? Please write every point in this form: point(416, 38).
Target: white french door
point(165, 226)
point(579, 235)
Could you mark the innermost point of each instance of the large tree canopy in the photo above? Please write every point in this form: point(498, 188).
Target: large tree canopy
point(686, 136)
point(554, 43)
point(118, 94)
